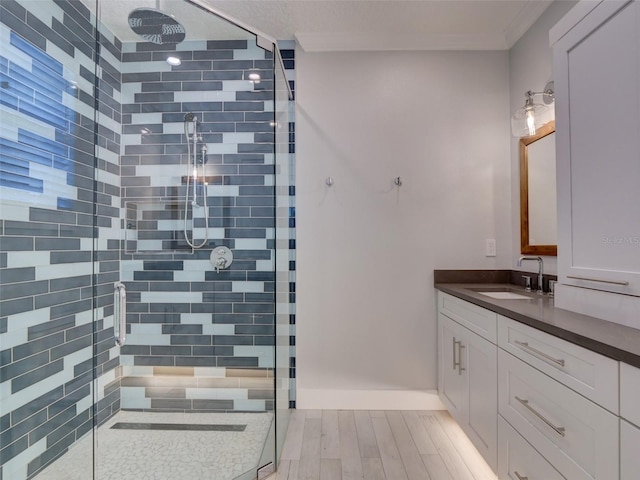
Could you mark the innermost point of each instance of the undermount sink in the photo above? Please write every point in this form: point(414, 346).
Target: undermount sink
point(505, 295)
point(501, 293)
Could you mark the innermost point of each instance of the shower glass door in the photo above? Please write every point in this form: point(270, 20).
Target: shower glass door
point(139, 181)
point(192, 396)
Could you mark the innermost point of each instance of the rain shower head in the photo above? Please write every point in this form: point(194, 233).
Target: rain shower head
point(155, 26)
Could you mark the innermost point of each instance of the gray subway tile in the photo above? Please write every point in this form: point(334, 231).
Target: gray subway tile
point(70, 347)
point(37, 346)
point(231, 340)
point(51, 216)
point(237, 362)
point(50, 327)
point(70, 308)
point(30, 229)
point(34, 376)
point(23, 289)
point(212, 351)
point(22, 428)
point(181, 329)
point(57, 244)
point(20, 305)
point(16, 244)
point(13, 449)
point(193, 361)
point(190, 339)
point(57, 298)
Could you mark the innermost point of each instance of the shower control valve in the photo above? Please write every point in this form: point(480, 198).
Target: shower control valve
point(221, 258)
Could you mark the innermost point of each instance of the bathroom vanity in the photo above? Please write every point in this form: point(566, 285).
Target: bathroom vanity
point(543, 393)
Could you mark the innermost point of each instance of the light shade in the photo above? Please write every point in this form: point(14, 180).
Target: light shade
point(528, 119)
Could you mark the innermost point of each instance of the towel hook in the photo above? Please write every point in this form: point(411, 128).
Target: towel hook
point(397, 182)
point(329, 181)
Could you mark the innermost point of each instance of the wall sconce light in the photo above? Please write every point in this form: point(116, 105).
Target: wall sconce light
point(532, 116)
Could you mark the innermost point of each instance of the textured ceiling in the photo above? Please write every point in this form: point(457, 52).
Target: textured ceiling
point(333, 25)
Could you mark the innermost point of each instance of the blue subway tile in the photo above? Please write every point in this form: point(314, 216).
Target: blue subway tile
point(32, 80)
point(16, 88)
point(24, 151)
point(38, 141)
point(14, 165)
point(35, 53)
point(54, 81)
point(19, 182)
point(8, 100)
point(43, 115)
point(55, 107)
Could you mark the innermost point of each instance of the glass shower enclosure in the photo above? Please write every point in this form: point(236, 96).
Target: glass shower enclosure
point(145, 181)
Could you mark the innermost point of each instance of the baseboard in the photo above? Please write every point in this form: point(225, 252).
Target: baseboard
point(323, 399)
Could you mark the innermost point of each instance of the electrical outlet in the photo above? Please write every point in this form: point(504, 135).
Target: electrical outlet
point(490, 247)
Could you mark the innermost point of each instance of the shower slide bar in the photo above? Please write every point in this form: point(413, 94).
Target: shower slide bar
point(120, 313)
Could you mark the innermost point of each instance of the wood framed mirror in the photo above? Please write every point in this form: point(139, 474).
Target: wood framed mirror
point(538, 216)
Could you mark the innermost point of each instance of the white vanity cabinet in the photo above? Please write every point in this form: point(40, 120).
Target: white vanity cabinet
point(630, 413)
point(576, 436)
point(597, 85)
point(467, 371)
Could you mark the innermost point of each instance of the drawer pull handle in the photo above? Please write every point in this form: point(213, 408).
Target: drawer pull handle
point(526, 346)
point(520, 477)
point(525, 403)
point(588, 279)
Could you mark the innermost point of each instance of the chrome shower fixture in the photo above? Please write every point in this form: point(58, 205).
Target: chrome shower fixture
point(156, 26)
point(192, 138)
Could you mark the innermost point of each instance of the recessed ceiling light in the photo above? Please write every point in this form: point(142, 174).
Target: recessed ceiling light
point(254, 77)
point(174, 61)
point(144, 131)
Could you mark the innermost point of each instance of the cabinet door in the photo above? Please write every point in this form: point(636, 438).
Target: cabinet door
point(597, 80)
point(451, 379)
point(629, 458)
point(480, 360)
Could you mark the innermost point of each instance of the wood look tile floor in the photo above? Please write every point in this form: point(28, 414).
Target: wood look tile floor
point(378, 445)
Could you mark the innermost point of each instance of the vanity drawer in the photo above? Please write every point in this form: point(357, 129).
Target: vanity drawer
point(579, 438)
point(586, 372)
point(477, 319)
point(629, 393)
point(518, 459)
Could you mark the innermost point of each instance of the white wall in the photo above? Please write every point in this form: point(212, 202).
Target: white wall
point(366, 251)
point(530, 65)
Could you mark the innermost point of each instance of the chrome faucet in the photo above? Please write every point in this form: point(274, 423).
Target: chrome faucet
point(540, 291)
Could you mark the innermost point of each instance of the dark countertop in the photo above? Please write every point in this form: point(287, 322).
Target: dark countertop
point(610, 339)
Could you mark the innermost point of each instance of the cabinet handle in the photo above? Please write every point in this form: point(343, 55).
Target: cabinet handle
point(460, 367)
point(456, 343)
point(525, 403)
point(520, 477)
point(527, 347)
point(588, 279)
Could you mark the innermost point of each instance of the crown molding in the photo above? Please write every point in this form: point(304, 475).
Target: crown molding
point(526, 17)
point(344, 42)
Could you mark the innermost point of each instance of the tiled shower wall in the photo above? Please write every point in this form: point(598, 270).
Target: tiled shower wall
point(182, 313)
point(53, 271)
point(53, 275)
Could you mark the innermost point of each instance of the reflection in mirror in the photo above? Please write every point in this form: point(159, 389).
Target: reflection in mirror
point(538, 218)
